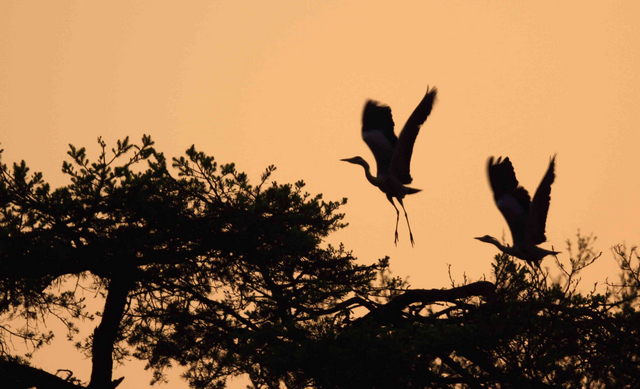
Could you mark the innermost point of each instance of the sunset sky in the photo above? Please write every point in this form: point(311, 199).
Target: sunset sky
point(285, 82)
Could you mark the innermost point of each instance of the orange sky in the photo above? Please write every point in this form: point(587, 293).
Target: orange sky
point(284, 83)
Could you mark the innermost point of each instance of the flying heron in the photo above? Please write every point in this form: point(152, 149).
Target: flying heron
point(393, 154)
point(526, 218)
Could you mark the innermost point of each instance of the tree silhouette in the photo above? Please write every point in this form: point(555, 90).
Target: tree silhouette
point(528, 332)
point(204, 270)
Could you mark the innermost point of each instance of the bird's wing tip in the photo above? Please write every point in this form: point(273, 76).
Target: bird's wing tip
point(432, 93)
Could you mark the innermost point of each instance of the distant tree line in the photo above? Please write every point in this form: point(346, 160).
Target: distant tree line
point(201, 269)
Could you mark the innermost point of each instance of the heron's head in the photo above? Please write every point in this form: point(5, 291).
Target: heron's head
point(355, 160)
point(487, 239)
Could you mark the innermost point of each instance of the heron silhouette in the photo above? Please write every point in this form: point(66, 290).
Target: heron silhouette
point(526, 218)
point(392, 154)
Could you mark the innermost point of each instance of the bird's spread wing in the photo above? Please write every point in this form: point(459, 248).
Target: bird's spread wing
point(511, 199)
point(540, 206)
point(400, 164)
point(377, 132)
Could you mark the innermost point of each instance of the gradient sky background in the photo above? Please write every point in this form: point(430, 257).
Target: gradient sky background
point(284, 83)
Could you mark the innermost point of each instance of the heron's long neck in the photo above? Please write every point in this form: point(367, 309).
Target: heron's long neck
point(505, 249)
point(367, 172)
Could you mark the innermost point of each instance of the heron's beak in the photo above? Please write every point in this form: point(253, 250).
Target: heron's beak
point(478, 237)
point(351, 160)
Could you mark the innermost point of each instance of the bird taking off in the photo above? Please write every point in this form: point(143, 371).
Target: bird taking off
point(393, 154)
point(526, 218)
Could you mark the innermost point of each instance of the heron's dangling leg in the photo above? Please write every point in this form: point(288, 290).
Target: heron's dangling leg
point(397, 217)
point(406, 217)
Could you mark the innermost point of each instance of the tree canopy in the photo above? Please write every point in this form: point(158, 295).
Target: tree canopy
point(200, 268)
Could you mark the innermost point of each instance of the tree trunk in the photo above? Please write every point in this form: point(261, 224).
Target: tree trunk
point(105, 335)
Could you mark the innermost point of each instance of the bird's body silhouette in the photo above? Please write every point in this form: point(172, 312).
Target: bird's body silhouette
point(526, 217)
point(392, 154)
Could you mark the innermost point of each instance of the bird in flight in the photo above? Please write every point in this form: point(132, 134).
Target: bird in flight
point(392, 153)
point(526, 218)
